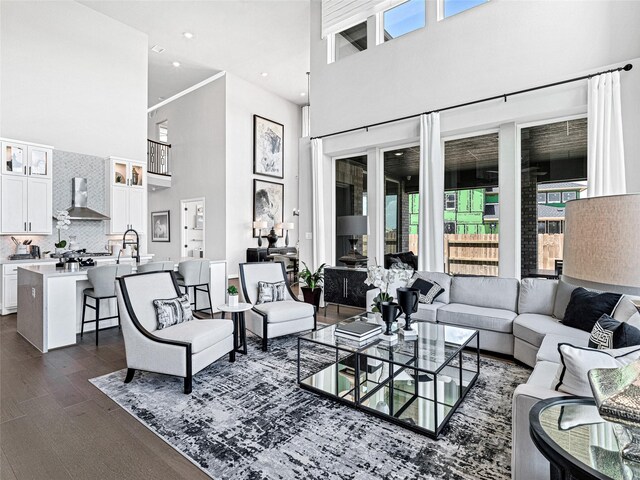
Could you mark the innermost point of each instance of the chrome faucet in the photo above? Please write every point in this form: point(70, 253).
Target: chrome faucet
point(136, 243)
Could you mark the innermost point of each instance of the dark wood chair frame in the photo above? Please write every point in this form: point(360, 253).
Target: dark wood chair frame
point(188, 380)
point(265, 324)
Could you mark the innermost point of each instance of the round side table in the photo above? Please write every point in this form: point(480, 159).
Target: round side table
point(239, 327)
point(578, 443)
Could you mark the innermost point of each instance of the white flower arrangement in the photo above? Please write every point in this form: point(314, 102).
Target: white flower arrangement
point(62, 216)
point(381, 278)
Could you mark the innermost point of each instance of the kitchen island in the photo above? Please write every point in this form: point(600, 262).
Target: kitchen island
point(50, 303)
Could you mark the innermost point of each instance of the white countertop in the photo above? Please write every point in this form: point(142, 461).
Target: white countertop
point(55, 260)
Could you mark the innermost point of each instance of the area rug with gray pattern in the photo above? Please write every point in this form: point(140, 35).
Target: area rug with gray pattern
point(250, 420)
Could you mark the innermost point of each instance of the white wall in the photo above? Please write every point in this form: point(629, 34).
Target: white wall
point(72, 78)
point(243, 101)
point(197, 137)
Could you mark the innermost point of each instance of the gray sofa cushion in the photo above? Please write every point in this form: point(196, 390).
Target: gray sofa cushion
point(625, 309)
point(489, 292)
point(493, 319)
point(563, 295)
point(548, 351)
point(442, 279)
point(537, 295)
point(544, 374)
point(532, 328)
point(427, 311)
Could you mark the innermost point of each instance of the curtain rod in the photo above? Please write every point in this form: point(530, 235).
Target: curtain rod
point(504, 96)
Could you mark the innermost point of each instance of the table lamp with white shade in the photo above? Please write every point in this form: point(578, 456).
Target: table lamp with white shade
point(601, 245)
point(260, 224)
point(286, 226)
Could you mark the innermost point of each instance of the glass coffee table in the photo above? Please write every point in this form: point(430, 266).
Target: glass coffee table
point(417, 384)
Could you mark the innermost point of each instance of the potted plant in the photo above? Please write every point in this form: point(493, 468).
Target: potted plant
point(382, 278)
point(62, 216)
point(233, 296)
point(312, 283)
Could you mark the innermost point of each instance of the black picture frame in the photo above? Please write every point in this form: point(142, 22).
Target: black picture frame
point(268, 203)
point(164, 217)
point(268, 147)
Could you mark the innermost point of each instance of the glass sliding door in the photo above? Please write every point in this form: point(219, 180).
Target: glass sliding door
point(554, 172)
point(351, 199)
point(471, 216)
point(402, 200)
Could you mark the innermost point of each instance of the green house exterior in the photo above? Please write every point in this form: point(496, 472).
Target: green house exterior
point(466, 211)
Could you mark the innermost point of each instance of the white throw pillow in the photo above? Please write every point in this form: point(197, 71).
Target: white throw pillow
point(576, 362)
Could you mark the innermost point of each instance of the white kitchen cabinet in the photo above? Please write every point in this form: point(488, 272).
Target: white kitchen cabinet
point(10, 286)
point(26, 196)
point(25, 205)
point(127, 195)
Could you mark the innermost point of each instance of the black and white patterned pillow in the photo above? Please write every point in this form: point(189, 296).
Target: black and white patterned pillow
point(172, 311)
point(610, 333)
point(270, 292)
point(429, 291)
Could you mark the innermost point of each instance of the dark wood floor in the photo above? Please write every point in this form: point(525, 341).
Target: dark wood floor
point(54, 424)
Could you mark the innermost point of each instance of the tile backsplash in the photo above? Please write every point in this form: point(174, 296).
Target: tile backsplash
point(90, 234)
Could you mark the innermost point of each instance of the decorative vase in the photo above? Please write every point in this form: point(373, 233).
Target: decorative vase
point(233, 300)
point(312, 296)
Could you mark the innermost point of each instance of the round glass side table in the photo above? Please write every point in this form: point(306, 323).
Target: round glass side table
point(239, 326)
point(578, 443)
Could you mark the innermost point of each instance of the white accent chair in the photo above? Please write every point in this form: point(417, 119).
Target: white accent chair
point(181, 350)
point(274, 319)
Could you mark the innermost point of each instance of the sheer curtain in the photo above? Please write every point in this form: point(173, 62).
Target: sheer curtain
point(317, 178)
point(431, 237)
point(605, 157)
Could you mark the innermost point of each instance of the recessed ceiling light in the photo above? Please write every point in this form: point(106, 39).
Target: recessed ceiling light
point(157, 49)
point(398, 154)
point(187, 35)
point(302, 94)
point(264, 74)
point(175, 64)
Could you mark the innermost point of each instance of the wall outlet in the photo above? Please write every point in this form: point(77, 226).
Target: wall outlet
point(33, 292)
point(308, 235)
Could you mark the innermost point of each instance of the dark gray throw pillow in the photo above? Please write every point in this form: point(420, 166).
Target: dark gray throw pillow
point(270, 292)
point(429, 291)
point(172, 311)
point(610, 333)
point(586, 307)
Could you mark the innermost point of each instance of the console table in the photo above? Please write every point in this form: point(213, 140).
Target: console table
point(345, 286)
point(260, 254)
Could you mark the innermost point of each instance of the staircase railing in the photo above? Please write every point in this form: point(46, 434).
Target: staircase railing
point(158, 156)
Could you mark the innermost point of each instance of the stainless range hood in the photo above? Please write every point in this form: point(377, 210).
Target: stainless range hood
point(79, 210)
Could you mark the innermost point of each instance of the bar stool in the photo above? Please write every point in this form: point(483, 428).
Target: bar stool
point(195, 274)
point(103, 287)
point(164, 266)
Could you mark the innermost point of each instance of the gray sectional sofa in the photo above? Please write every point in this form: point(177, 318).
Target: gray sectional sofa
point(519, 318)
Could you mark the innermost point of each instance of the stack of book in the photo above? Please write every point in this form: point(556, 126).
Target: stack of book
point(357, 332)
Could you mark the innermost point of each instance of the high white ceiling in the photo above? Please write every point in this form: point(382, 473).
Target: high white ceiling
point(242, 37)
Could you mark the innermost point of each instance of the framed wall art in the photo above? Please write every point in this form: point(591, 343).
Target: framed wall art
point(268, 202)
point(160, 226)
point(268, 147)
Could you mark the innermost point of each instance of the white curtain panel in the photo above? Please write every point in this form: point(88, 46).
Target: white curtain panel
point(317, 177)
point(431, 226)
point(605, 157)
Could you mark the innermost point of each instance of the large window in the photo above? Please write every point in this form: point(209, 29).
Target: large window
point(350, 41)
point(404, 18)
point(554, 171)
point(453, 7)
point(471, 216)
point(351, 198)
point(402, 200)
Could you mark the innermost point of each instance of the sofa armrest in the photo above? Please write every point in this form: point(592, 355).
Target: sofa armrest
point(527, 463)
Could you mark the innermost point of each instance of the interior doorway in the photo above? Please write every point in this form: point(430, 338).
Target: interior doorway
point(192, 227)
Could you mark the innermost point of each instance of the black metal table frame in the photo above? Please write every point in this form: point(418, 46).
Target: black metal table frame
point(239, 331)
point(563, 466)
point(394, 418)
